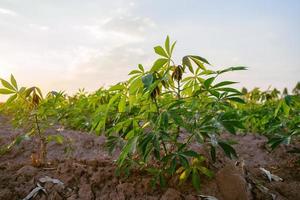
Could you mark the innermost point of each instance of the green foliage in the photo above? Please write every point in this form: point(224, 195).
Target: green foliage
point(275, 116)
point(31, 112)
point(157, 114)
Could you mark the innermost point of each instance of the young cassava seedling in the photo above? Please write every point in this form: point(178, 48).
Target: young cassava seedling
point(30, 111)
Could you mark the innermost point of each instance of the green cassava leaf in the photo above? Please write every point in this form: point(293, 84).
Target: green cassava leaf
point(187, 63)
point(117, 87)
point(228, 150)
point(160, 51)
point(207, 83)
point(190, 153)
point(200, 59)
point(11, 98)
point(237, 99)
point(196, 179)
point(223, 83)
point(167, 45)
point(147, 80)
point(128, 148)
point(205, 171)
point(7, 85)
point(6, 91)
point(13, 82)
point(232, 69)
point(158, 64)
point(122, 104)
point(141, 67)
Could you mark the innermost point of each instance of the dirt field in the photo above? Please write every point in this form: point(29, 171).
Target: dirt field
point(88, 172)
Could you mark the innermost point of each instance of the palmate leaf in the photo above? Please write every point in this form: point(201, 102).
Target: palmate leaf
point(176, 103)
point(205, 171)
point(281, 139)
point(147, 80)
point(130, 134)
point(196, 179)
point(230, 122)
point(207, 83)
point(11, 99)
point(275, 142)
point(214, 93)
point(228, 150)
point(141, 67)
point(117, 87)
point(199, 58)
point(227, 89)
point(223, 83)
point(177, 118)
point(135, 86)
point(190, 153)
point(184, 175)
point(164, 120)
point(145, 143)
point(229, 127)
point(128, 148)
point(39, 91)
point(102, 122)
point(158, 64)
point(167, 45)
point(183, 161)
point(6, 91)
point(187, 63)
point(134, 72)
point(232, 69)
point(173, 46)
point(237, 99)
point(122, 104)
point(13, 82)
point(198, 62)
point(173, 165)
point(160, 51)
point(7, 85)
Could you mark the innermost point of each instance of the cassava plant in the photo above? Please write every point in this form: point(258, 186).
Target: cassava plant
point(30, 111)
point(287, 116)
point(158, 113)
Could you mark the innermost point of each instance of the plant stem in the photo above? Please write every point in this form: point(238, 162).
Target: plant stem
point(43, 148)
point(158, 113)
point(157, 107)
point(190, 138)
point(178, 97)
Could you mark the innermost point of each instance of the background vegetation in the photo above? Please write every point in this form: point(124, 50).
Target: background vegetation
point(157, 114)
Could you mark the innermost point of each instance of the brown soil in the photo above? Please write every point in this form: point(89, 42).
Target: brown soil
point(88, 171)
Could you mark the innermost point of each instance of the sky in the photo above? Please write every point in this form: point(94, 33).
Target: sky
point(72, 44)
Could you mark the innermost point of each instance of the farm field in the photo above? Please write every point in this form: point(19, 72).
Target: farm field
point(171, 131)
point(89, 171)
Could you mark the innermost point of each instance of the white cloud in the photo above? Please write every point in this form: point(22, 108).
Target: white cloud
point(71, 53)
point(121, 28)
point(5, 11)
point(104, 68)
point(39, 27)
point(120, 42)
point(119, 48)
